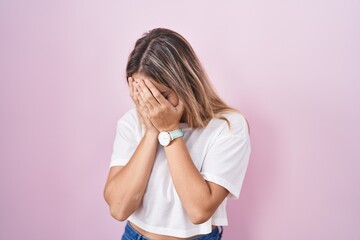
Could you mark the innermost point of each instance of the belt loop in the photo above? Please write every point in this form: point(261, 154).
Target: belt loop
point(221, 231)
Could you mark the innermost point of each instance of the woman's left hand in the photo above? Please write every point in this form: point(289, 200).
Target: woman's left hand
point(163, 115)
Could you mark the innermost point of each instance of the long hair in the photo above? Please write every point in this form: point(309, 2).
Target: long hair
point(169, 59)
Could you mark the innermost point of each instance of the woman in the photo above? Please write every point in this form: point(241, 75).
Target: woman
point(180, 153)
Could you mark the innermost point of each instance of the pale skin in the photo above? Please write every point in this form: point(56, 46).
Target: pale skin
point(160, 110)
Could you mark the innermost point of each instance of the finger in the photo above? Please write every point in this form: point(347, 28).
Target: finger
point(136, 100)
point(180, 107)
point(141, 99)
point(148, 94)
point(131, 86)
point(133, 91)
point(142, 109)
point(156, 93)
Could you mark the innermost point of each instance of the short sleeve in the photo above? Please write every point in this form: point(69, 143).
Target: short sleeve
point(226, 160)
point(125, 141)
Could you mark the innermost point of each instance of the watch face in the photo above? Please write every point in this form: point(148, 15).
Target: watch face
point(164, 138)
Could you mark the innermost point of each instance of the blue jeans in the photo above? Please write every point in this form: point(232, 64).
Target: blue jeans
point(131, 234)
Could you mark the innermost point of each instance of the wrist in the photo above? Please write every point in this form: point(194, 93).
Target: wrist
point(152, 133)
point(171, 128)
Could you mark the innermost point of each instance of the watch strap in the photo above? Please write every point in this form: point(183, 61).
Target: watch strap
point(176, 134)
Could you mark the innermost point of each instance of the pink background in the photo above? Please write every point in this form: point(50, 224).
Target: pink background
point(292, 67)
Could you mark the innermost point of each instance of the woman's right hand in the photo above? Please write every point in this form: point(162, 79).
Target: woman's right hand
point(149, 127)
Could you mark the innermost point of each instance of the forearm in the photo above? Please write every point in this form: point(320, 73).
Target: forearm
point(193, 190)
point(126, 189)
point(199, 197)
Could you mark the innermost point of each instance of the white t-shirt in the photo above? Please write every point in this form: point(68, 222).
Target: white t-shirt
point(221, 156)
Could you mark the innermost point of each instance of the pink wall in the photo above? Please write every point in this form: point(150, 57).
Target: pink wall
point(292, 67)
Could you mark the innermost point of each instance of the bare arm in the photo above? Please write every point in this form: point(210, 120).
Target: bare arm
point(126, 185)
point(199, 197)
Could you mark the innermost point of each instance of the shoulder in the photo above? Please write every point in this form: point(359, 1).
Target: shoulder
point(234, 124)
point(237, 118)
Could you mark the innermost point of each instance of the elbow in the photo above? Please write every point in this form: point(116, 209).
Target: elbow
point(119, 214)
point(106, 196)
point(199, 216)
point(120, 207)
point(116, 211)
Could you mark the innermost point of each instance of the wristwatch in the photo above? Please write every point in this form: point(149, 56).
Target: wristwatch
point(166, 137)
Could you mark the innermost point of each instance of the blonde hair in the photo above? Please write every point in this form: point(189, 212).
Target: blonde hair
point(169, 59)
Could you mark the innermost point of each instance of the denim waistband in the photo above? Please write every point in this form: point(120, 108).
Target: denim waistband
point(131, 234)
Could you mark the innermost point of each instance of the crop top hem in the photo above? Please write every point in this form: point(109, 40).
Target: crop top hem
point(204, 228)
